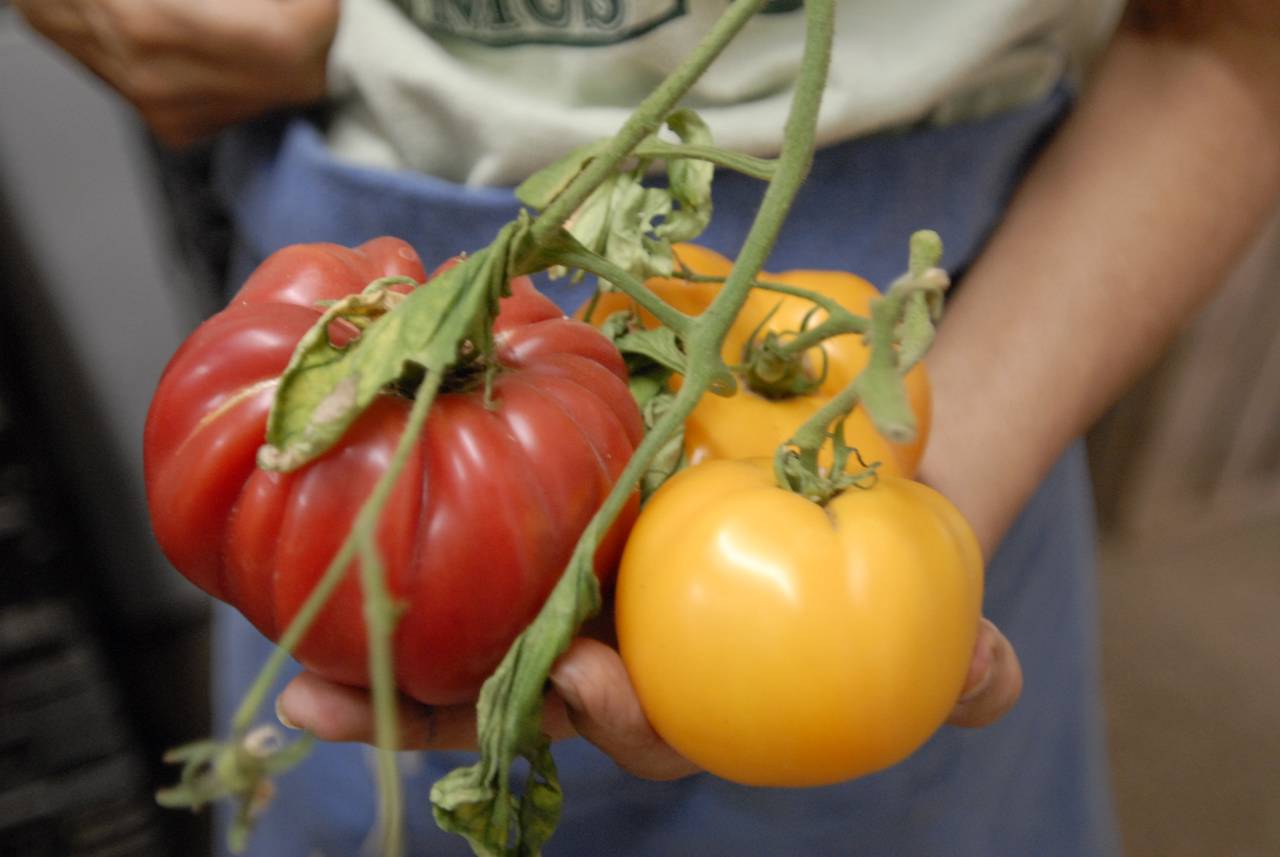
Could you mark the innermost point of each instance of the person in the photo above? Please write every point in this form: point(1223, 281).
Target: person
point(1083, 233)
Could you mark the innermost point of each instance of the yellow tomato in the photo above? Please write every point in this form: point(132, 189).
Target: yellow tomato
point(745, 424)
point(776, 642)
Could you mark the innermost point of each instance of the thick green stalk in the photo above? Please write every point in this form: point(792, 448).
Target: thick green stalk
point(710, 328)
point(476, 800)
point(792, 167)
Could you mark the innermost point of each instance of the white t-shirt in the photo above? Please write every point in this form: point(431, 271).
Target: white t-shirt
point(484, 92)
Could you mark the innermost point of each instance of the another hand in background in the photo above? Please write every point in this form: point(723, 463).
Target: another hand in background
point(190, 67)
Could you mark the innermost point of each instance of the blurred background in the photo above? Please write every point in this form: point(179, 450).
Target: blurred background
point(103, 647)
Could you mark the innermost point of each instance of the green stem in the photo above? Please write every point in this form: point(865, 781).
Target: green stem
point(632, 286)
point(903, 308)
point(711, 326)
point(879, 385)
point(380, 616)
point(363, 530)
point(832, 306)
point(792, 167)
point(647, 119)
point(846, 322)
point(809, 438)
point(476, 800)
point(839, 320)
point(756, 168)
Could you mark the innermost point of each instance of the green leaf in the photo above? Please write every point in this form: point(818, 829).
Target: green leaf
point(590, 224)
point(651, 355)
point(629, 244)
point(659, 345)
point(690, 181)
point(464, 802)
point(670, 457)
point(325, 387)
point(645, 387)
point(629, 222)
point(540, 189)
point(543, 798)
point(477, 802)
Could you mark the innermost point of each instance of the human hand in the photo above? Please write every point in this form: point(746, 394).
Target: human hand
point(192, 68)
point(592, 696)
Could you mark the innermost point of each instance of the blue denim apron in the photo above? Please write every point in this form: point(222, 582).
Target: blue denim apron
point(1034, 785)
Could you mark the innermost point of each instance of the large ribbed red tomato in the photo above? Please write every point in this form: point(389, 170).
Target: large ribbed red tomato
point(479, 525)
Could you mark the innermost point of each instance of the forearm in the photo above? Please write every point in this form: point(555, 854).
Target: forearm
point(1125, 225)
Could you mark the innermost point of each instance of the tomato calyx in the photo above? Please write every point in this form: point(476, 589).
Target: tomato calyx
point(797, 470)
point(242, 767)
point(772, 370)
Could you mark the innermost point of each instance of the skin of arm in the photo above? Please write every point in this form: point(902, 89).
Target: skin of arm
point(1126, 224)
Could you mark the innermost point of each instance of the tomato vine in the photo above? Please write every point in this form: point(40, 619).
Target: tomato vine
point(596, 214)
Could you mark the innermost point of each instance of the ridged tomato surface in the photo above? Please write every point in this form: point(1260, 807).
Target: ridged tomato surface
point(479, 525)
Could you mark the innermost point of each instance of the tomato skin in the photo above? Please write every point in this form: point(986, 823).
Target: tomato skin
point(480, 523)
point(775, 642)
point(746, 425)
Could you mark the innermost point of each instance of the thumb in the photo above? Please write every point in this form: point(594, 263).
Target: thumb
point(994, 682)
point(603, 707)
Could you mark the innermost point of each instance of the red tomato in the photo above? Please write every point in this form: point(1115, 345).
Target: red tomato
point(480, 523)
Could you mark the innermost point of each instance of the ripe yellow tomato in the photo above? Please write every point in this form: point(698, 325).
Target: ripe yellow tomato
point(747, 425)
point(776, 642)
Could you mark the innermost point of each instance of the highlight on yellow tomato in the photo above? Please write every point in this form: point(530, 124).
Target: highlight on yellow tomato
point(746, 424)
point(776, 642)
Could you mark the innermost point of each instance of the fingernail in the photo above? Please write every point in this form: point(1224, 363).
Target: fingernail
point(284, 718)
point(986, 663)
